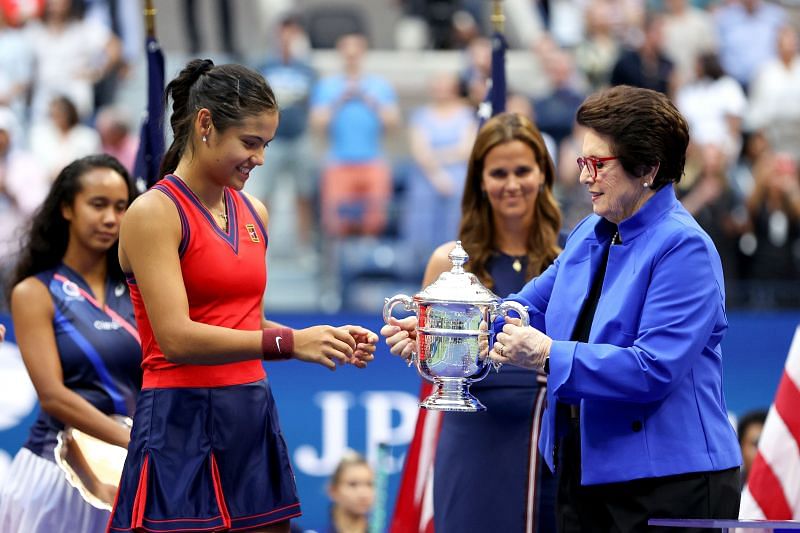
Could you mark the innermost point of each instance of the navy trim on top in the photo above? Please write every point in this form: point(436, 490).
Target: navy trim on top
point(232, 235)
point(185, 228)
point(253, 212)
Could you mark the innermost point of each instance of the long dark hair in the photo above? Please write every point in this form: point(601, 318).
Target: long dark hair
point(477, 224)
point(231, 93)
point(44, 245)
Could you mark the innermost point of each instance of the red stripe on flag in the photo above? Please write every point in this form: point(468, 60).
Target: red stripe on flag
point(767, 491)
point(408, 509)
point(786, 401)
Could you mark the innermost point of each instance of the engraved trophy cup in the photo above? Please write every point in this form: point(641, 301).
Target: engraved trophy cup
point(454, 336)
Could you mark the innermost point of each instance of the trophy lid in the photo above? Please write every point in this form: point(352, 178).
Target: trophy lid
point(457, 285)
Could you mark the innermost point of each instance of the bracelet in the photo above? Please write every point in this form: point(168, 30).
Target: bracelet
point(277, 343)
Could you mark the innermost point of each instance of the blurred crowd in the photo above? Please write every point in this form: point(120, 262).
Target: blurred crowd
point(375, 212)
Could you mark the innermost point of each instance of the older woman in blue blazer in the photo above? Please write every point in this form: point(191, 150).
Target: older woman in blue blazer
point(628, 322)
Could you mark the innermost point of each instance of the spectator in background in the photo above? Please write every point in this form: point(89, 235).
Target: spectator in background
point(23, 186)
point(71, 53)
point(748, 31)
point(354, 110)
point(223, 16)
point(749, 432)
point(440, 136)
point(555, 112)
point(114, 127)
point(713, 105)
point(352, 493)
point(646, 66)
point(292, 79)
point(688, 33)
point(598, 52)
point(775, 96)
point(477, 70)
point(710, 199)
point(572, 198)
point(774, 209)
point(16, 64)
point(63, 138)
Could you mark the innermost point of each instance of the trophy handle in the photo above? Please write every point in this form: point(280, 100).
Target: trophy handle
point(408, 305)
point(389, 303)
point(520, 309)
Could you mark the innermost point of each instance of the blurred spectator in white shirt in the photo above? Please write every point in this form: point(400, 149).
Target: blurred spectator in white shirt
point(775, 96)
point(23, 186)
point(71, 53)
point(62, 139)
point(15, 67)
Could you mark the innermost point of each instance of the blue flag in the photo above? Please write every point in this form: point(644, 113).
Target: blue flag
point(495, 101)
point(151, 136)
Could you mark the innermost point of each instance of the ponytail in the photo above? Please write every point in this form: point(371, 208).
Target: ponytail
point(230, 93)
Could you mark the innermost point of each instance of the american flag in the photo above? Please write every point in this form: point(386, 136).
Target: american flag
point(773, 486)
point(151, 136)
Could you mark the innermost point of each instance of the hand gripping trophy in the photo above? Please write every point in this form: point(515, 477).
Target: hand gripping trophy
point(454, 335)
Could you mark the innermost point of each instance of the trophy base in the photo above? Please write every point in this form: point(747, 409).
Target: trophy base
point(452, 395)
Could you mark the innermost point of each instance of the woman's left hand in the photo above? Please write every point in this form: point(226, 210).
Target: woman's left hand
point(366, 342)
point(521, 346)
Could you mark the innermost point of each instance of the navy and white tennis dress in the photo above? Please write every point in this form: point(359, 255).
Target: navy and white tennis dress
point(487, 472)
point(100, 356)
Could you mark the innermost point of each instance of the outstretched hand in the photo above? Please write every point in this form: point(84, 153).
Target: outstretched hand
point(324, 345)
point(366, 342)
point(401, 336)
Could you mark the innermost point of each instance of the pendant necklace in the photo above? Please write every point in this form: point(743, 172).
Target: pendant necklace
point(517, 265)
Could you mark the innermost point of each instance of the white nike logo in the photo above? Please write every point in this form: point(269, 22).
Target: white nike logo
point(278, 343)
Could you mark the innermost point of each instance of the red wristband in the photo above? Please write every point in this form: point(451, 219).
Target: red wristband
point(277, 343)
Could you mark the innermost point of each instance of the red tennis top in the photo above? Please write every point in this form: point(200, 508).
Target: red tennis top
point(225, 275)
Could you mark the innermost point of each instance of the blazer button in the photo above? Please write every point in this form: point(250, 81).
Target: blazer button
point(636, 426)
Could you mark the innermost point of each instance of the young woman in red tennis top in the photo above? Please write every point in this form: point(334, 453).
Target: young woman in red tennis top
point(206, 449)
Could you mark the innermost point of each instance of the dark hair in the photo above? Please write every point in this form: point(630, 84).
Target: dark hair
point(477, 231)
point(45, 243)
point(230, 92)
point(759, 416)
point(710, 65)
point(69, 109)
point(644, 129)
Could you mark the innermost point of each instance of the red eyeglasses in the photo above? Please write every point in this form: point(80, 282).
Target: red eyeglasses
point(593, 164)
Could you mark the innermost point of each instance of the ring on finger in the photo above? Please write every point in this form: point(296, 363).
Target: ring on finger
point(500, 351)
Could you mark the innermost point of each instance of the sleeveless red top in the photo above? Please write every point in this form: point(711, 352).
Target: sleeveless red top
point(225, 275)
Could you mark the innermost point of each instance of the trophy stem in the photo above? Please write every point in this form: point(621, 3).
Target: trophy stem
point(452, 394)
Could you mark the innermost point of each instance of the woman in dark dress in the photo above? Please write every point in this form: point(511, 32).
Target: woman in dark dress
point(510, 229)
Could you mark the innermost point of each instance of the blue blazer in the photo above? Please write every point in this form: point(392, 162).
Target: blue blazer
point(649, 382)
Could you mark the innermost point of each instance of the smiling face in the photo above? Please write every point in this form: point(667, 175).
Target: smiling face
point(96, 212)
point(616, 195)
point(511, 180)
point(234, 152)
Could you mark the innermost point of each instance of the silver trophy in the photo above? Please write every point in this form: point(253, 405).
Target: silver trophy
point(454, 336)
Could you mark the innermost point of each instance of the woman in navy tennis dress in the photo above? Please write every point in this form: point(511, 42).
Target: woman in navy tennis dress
point(74, 324)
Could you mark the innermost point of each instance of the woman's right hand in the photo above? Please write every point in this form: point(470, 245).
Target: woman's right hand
point(401, 336)
point(324, 345)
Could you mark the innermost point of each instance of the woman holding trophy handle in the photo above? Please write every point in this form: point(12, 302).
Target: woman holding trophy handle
point(510, 229)
point(75, 328)
point(633, 315)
